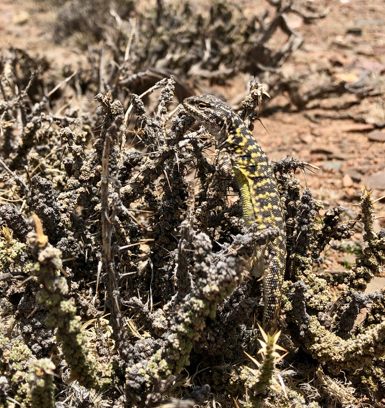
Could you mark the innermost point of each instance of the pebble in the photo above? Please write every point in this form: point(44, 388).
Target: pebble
point(21, 18)
point(354, 174)
point(376, 136)
point(322, 150)
point(306, 138)
point(315, 131)
point(375, 285)
point(376, 180)
point(347, 181)
point(354, 31)
point(331, 165)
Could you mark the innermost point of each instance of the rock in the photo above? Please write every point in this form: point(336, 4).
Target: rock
point(354, 174)
point(21, 18)
point(351, 194)
point(315, 131)
point(374, 115)
point(371, 65)
point(332, 165)
point(349, 77)
point(306, 138)
point(322, 150)
point(376, 180)
point(347, 181)
point(355, 127)
point(354, 31)
point(375, 285)
point(364, 49)
point(294, 21)
point(376, 136)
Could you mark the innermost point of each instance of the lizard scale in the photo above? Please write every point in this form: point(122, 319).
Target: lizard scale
point(258, 187)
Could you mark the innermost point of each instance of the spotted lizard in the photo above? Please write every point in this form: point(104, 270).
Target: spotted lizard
point(258, 190)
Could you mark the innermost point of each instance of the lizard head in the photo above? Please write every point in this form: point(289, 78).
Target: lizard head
point(211, 112)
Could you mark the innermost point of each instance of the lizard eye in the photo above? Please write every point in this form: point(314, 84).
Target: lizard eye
point(201, 105)
point(220, 121)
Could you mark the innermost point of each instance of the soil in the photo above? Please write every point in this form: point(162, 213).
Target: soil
point(345, 147)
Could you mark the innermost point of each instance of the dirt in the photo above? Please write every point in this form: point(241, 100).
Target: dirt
point(28, 25)
point(340, 135)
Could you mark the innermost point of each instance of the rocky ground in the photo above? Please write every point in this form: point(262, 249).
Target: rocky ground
point(325, 68)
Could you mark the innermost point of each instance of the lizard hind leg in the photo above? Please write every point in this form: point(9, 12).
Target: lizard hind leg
point(245, 192)
point(258, 263)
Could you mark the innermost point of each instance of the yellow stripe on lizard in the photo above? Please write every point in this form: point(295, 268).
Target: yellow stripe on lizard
point(258, 189)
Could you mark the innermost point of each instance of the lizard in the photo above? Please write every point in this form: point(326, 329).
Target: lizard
point(261, 204)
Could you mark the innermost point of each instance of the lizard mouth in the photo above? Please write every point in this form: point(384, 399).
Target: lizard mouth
point(191, 110)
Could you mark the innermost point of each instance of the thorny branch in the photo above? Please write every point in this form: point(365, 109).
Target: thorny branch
point(113, 118)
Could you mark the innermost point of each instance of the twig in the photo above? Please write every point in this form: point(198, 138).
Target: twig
point(148, 91)
point(12, 174)
point(60, 84)
point(113, 117)
point(131, 36)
